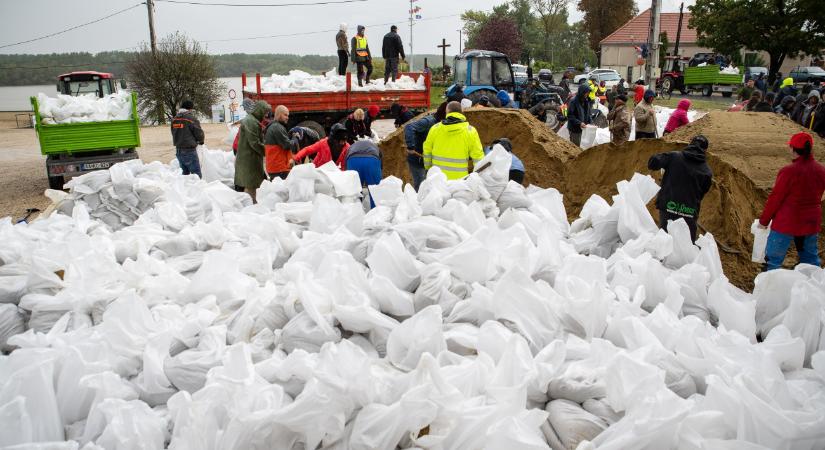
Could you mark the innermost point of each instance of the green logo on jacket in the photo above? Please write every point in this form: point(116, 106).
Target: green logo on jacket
point(680, 209)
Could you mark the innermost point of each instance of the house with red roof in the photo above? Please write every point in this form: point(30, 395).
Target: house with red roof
point(619, 49)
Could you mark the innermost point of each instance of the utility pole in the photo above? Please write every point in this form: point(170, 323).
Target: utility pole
point(460, 39)
point(443, 48)
point(412, 55)
point(653, 45)
point(150, 6)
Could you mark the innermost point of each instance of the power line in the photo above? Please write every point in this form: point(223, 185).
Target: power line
point(261, 5)
point(72, 28)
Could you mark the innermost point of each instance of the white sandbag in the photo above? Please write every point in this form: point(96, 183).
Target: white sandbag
point(573, 424)
point(415, 336)
point(588, 138)
point(389, 258)
point(12, 322)
point(760, 242)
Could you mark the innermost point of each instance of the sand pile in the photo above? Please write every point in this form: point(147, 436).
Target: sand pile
point(746, 152)
point(543, 152)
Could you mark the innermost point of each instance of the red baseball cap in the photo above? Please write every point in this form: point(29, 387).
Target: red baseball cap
point(799, 139)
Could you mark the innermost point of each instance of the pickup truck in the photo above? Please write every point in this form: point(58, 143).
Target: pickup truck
point(320, 110)
point(73, 149)
point(807, 74)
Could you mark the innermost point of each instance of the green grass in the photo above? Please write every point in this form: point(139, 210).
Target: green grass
point(698, 104)
point(436, 95)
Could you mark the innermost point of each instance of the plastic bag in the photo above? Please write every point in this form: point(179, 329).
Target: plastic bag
point(12, 322)
point(389, 258)
point(588, 136)
point(421, 333)
point(573, 424)
point(760, 241)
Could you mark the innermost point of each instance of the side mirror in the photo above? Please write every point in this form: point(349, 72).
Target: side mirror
point(123, 84)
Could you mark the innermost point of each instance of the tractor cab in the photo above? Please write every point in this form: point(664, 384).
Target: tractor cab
point(80, 83)
point(482, 73)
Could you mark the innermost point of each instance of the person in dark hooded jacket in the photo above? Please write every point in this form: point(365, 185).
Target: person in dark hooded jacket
point(249, 164)
point(578, 114)
point(787, 106)
point(415, 133)
point(401, 113)
point(686, 180)
point(766, 104)
point(187, 134)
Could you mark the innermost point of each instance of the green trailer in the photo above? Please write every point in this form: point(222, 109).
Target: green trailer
point(73, 149)
point(710, 79)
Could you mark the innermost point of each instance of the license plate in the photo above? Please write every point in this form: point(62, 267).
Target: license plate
point(95, 166)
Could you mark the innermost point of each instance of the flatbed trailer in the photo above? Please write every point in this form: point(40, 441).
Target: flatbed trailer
point(320, 110)
point(73, 149)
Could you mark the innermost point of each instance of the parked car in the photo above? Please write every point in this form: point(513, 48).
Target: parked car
point(609, 76)
point(807, 74)
point(756, 71)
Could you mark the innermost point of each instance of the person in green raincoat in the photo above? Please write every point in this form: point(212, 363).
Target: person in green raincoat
point(249, 164)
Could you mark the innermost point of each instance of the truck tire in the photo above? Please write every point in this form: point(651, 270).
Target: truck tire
point(727, 94)
point(56, 182)
point(314, 126)
point(707, 91)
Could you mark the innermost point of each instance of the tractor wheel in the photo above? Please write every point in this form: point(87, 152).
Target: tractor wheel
point(314, 126)
point(476, 96)
point(552, 121)
point(667, 84)
point(707, 91)
point(56, 182)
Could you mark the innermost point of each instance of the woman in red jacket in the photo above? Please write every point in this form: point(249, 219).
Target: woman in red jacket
point(332, 148)
point(678, 117)
point(794, 208)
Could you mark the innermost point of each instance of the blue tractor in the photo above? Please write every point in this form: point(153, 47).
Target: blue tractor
point(480, 73)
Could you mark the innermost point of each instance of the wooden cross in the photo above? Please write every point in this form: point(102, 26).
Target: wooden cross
point(443, 48)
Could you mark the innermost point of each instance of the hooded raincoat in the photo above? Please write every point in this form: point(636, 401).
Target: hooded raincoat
point(450, 144)
point(679, 117)
point(249, 164)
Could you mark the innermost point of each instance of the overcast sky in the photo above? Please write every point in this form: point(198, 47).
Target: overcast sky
point(21, 21)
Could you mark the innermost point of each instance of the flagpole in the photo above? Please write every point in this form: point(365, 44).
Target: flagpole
point(412, 55)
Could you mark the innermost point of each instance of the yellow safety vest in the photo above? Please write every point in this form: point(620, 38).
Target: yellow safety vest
point(361, 46)
point(592, 90)
point(450, 147)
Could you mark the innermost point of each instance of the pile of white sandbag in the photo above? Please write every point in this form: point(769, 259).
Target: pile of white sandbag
point(470, 314)
point(84, 108)
point(216, 165)
point(300, 81)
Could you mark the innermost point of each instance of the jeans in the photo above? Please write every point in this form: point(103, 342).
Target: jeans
point(188, 160)
point(417, 172)
point(777, 248)
point(342, 62)
point(390, 69)
point(366, 65)
point(369, 171)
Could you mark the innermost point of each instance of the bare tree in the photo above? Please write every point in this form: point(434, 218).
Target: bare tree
point(179, 70)
point(552, 15)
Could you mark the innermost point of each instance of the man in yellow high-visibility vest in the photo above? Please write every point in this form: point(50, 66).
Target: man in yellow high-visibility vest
point(361, 55)
point(452, 143)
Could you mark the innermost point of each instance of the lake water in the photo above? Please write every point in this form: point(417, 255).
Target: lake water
point(16, 98)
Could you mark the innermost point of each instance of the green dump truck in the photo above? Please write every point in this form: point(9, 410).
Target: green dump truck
point(73, 149)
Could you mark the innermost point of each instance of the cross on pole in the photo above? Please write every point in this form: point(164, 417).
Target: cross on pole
point(443, 48)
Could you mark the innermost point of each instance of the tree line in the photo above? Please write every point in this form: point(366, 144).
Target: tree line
point(22, 70)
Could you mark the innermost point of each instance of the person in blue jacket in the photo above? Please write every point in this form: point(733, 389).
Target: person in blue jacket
point(415, 133)
point(516, 166)
point(578, 114)
point(365, 158)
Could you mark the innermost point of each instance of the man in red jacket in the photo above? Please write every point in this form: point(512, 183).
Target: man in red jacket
point(794, 208)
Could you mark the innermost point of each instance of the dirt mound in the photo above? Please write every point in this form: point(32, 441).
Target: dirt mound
point(543, 152)
point(753, 143)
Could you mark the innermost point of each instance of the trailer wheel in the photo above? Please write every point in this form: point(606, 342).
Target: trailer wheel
point(707, 91)
point(56, 182)
point(314, 126)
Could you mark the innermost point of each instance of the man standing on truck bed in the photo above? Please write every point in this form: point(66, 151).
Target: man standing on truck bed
point(390, 50)
point(187, 134)
point(249, 164)
point(343, 50)
point(361, 55)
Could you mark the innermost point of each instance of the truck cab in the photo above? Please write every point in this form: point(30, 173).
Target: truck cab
point(482, 73)
point(88, 82)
